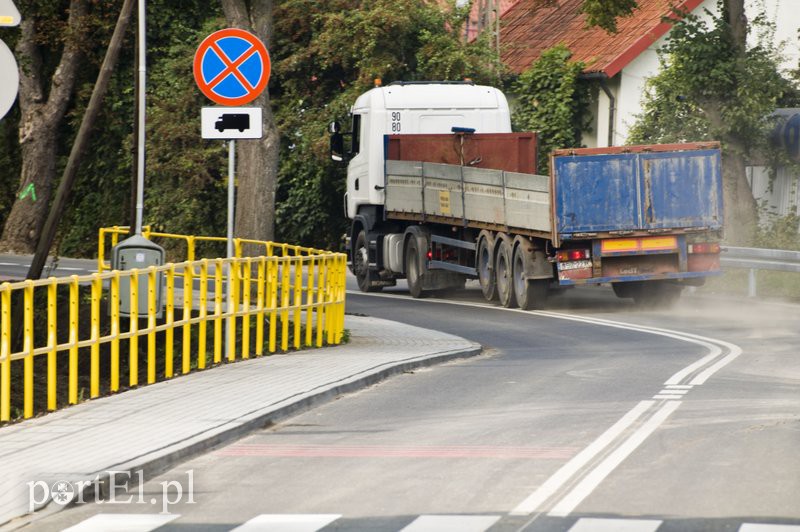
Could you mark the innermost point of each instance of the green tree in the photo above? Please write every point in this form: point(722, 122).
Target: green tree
point(549, 98)
point(326, 54)
point(709, 88)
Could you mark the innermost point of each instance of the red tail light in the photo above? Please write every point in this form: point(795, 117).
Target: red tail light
point(705, 247)
point(573, 254)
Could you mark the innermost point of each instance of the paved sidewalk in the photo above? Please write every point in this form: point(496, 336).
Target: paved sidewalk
point(154, 427)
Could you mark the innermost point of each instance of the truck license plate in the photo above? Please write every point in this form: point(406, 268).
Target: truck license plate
point(574, 265)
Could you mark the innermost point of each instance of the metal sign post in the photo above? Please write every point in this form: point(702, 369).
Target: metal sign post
point(231, 217)
point(141, 118)
point(231, 67)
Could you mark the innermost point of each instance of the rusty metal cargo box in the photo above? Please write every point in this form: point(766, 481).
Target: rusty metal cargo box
point(512, 152)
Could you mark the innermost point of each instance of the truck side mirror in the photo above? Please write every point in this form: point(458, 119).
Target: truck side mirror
point(337, 141)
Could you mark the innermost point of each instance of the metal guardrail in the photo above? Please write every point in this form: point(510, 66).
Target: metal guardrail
point(755, 259)
point(300, 289)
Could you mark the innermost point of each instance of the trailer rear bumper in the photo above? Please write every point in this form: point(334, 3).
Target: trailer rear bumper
point(678, 276)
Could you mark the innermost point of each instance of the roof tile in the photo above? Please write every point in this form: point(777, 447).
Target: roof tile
point(530, 27)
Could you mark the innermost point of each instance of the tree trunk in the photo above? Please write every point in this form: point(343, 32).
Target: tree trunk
point(81, 143)
point(257, 171)
point(741, 210)
point(40, 120)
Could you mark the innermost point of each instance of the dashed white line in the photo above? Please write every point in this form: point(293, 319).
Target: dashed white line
point(287, 523)
point(452, 523)
point(122, 522)
point(588, 524)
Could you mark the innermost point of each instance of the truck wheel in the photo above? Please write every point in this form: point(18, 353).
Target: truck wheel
point(414, 268)
point(503, 273)
point(361, 264)
point(484, 265)
point(530, 294)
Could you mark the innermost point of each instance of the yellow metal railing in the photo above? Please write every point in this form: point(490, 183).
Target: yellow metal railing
point(72, 336)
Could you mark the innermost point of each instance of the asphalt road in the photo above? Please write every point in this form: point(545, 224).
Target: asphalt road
point(593, 415)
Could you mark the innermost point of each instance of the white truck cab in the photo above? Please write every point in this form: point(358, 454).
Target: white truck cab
point(413, 107)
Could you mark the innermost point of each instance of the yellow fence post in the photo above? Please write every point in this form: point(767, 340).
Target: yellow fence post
point(245, 298)
point(152, 288)
point(310, 300)
point(133, 344)
point(260, 306)
point(341, 296)
point(188, 289)
point(52, 342)
point(233, 306)
point(286, 266)
point(272, 276)
point(5, 353)
point(218, 289)
point(203, 326)
point(298, 298)
point(168, 361)
point(94, 372)
point(114, 312)
point(321, 309)
point(73, 339)
point(28, 350)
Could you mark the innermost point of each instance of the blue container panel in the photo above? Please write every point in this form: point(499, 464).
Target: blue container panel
point(597, 193)
point(681, 189)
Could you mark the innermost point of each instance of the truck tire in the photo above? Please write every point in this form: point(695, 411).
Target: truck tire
point(530, 294)
point(414, 268)
point(361, 264)
point(484, 263)
point(504, 273)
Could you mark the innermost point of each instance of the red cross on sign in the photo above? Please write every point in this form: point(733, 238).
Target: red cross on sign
point(231, 67)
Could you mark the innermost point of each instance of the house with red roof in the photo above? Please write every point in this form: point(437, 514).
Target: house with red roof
point(622, 62)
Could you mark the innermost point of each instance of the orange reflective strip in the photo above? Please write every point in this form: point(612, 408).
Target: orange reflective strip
point(659, 242)
point(619, 244)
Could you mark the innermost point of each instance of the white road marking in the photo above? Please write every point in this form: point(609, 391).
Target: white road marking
point(711, 362)
point(568, 470)
point(287, 523)
point(122, 523)
point(452, 523)
point(670, 391)
point(599, 473)
point(755, 527)
point(587, 524)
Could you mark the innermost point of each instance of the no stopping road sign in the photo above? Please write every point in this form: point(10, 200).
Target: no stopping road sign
point(231, 67)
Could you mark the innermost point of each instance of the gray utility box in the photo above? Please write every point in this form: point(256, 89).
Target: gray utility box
point(140, 253)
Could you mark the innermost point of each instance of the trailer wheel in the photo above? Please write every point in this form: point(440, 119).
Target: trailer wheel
point(530, 294)
point(484, 265)
point(361, 264)
point(414, 268)
point(503, 273)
